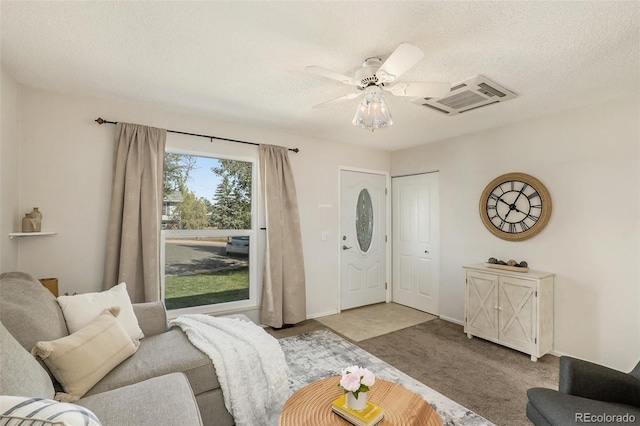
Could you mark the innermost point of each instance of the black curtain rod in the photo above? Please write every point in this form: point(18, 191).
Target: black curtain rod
point(102, 121)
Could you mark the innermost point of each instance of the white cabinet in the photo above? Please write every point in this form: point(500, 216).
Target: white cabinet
point(514, 309)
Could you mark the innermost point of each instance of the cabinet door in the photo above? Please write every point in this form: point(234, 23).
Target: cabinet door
point(518, 313)
point(482, 304)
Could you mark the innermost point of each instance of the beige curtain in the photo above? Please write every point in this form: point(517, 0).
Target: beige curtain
point(133, 237)
point(283, 287)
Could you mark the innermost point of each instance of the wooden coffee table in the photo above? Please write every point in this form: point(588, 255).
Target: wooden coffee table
point(311, 405)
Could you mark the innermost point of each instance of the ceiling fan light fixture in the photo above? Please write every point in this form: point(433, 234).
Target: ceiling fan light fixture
point(373, 112)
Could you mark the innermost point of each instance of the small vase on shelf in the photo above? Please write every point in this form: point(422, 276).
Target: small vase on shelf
point(36, 217)
point(27, 223)
point(357, 403)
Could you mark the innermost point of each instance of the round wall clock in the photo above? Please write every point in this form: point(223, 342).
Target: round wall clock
point(515, 206)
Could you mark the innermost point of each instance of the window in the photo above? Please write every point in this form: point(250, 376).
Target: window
point(207, 233)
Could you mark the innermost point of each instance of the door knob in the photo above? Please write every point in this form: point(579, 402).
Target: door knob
point(345, 247)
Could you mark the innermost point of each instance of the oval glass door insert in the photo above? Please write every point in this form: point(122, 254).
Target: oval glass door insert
point(364, 220)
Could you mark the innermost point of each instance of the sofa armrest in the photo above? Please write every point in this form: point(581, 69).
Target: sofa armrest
point(593, 381)
point(164, 400)
point(152, 317)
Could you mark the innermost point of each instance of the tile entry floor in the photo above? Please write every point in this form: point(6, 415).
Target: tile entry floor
point(374, 320)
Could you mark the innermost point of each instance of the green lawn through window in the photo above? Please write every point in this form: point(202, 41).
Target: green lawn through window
point(206, 289)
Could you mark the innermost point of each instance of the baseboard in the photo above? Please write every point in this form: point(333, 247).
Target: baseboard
point(324, 314)
point(453, 320)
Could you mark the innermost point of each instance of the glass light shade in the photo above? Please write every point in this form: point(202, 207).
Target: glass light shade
point(373, 112)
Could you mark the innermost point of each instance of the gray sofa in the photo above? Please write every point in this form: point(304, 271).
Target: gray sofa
point(586, 394)
point(166, 382)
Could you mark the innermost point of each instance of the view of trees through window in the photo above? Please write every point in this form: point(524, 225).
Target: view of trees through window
point(202, 193)
point(203, 198)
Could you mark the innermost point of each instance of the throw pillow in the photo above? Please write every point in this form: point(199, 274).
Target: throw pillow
point(82, 359)
point(42, 412)
point(80, 309)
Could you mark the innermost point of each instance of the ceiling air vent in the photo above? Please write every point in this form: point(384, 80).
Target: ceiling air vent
point(466, 95)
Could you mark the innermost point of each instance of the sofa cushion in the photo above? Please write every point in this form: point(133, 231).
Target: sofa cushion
point(27, 377)
point(80, 309)
point(211, 405)
point(563, 409)
point(28, 310)
point(38, 411)
point(83, 358)
point(166, 400)
point(165, 353)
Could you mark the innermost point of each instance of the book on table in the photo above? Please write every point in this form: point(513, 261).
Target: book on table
point(371, 415)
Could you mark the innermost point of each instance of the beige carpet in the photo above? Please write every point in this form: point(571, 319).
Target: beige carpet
point(374, 320)
point(489, 379)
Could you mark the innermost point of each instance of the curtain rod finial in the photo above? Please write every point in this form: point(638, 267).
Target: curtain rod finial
point(296, 150)
point(99, 120)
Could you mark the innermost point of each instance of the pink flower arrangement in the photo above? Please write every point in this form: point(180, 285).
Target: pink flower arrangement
point(356, 379)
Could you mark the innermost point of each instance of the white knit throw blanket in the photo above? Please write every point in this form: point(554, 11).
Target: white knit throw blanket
point(250, 364)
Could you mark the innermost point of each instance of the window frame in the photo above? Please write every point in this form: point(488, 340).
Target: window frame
point(225, 307)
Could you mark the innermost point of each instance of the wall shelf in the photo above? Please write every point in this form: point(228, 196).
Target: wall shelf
point(31, 234)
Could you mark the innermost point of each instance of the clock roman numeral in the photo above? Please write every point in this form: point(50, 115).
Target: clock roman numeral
point(512, 228)
point(494, 197)
point(532, 217)
point(533, 195)
point(502, 221)
point(524, 226)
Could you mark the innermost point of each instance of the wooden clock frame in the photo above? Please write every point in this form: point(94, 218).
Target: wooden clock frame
point(538, 226)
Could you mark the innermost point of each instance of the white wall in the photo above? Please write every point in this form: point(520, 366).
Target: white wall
point(588, 159)
point(65, 169)
point(9, 214)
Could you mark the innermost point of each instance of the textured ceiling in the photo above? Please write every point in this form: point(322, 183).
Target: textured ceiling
point(245, 61)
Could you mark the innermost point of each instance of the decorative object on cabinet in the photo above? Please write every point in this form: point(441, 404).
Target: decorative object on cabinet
point(511, 265)
point(515, 206)
point(51, 284)
point(510, 308)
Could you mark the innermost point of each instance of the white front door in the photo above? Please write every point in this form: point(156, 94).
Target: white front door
point(362, 239)
point(416, 242)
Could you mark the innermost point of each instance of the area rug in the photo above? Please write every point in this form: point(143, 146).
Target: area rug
point(320, 354)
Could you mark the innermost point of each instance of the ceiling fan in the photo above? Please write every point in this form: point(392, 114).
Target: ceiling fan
point(374, 78)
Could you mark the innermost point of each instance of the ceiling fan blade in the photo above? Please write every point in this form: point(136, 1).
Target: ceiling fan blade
point(403, 58)
point(420, 90)
point(340, 99)
point(332, 75)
